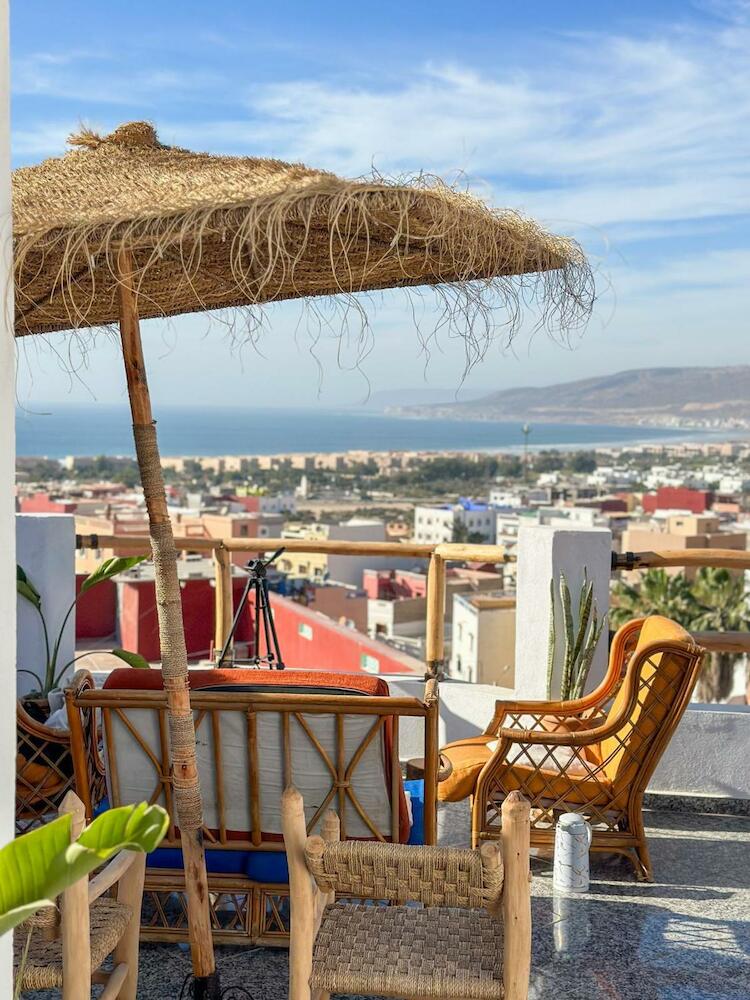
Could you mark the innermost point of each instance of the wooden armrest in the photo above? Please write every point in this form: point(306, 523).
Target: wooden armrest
point(111, 874)
point(434, 876)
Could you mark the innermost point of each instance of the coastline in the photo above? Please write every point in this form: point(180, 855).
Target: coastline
point(104, 429)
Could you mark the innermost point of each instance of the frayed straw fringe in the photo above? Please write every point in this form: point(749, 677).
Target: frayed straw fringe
point(305, 234)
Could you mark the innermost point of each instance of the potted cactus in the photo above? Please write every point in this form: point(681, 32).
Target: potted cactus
point(581, 635)
point(44, 766)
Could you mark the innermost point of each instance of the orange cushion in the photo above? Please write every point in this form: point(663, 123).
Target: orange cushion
point(130, 679)
point(467, 758)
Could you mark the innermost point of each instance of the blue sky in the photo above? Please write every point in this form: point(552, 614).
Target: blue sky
point(626, 125)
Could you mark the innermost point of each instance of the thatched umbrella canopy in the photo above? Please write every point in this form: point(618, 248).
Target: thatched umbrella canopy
point(122, 228)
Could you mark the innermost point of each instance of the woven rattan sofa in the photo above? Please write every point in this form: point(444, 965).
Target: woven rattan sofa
point(334, 735)
point(593, 756)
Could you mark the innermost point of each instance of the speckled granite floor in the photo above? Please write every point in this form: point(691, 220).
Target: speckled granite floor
point(686, 937)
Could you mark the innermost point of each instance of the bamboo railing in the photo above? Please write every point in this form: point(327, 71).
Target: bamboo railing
point(438, 555)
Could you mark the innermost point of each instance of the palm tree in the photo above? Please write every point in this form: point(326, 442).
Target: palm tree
point(657, 593)
point(715, 602)
point(721, 607)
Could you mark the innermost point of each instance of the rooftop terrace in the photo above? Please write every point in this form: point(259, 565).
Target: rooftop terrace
point(684, 937)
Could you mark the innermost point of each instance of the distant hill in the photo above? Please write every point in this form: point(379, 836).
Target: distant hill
point(662, 397)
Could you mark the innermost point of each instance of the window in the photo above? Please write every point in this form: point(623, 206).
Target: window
point(304, 630)
point(371, 664)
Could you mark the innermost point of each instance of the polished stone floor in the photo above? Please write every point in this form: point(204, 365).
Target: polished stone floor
point(685, 937)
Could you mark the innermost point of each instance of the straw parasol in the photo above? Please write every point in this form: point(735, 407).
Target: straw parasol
point(122, 227)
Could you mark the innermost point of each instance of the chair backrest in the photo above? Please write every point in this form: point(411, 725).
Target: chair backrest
point(661, 673)
point(334, 735)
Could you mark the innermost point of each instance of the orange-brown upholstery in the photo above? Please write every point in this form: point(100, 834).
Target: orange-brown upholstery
point(591, 756)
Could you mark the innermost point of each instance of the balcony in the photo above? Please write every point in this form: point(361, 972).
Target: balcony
point(684, 936)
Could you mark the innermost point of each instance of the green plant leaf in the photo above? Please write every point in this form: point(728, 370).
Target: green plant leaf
point(110, 568)
point(26, 588)
point(38, 866)
point(567, 610)
point(551, 639)
point(132, 659)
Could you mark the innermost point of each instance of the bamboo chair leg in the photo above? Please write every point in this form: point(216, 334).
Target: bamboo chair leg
point(642, 860)
point(516, 897)
point(76, 931)
point(302, 896)
point(130, 891)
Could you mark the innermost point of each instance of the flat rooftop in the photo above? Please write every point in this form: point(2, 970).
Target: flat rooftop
point(685, 937)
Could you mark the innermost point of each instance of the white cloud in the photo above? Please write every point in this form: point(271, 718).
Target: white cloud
point(621, 139)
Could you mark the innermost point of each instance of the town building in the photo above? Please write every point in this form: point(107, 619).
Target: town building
point(681, 531)
point(467, 519)
point(483, 639)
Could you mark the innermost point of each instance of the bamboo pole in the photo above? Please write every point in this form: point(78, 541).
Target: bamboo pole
point(516, 901)
point(185, 779)
point(223, 597)
point(435, 654)
point(727, 558)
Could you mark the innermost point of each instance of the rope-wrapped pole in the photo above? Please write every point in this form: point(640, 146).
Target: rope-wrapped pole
point(187, 794)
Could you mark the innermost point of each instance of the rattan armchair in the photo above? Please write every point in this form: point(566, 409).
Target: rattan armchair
point(470, 938)
point(67, 947)
point(593, 756)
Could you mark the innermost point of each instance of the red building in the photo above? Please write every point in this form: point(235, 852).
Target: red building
point(678, 498)
point(307, 638)
point(43, 503)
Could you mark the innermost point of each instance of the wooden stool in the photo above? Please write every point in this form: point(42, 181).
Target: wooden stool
point(415, 768)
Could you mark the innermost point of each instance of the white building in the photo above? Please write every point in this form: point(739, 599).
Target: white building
point(437, 524)
point(483, 639)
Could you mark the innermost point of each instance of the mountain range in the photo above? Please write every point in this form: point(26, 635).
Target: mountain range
point(659, 397)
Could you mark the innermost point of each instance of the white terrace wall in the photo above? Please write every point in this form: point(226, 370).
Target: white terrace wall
point(45, 548)
point(544, 553)
point(7, 503)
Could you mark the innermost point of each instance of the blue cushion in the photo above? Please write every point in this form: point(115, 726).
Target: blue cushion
point(416, 790)
point(267, 866)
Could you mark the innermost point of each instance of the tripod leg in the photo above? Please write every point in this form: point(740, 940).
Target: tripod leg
point(235, 622)
point(277, 649)
point(266, 619)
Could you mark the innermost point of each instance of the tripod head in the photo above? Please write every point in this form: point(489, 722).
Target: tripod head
point(256, 568)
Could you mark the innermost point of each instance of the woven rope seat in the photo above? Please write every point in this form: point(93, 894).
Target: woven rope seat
point(44, 969)
point(408, 951)
point(435, 876)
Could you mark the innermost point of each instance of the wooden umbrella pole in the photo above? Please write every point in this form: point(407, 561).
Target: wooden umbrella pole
point(187, 794)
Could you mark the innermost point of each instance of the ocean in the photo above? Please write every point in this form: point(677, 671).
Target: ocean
point(99, 429)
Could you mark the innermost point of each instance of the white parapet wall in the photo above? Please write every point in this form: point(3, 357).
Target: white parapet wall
point(544, 553)
point(45, 548)
point(707, 755)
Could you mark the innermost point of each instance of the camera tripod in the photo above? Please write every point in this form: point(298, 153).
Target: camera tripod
point(257, 581)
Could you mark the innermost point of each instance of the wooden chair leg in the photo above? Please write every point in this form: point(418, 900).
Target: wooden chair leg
point(516, 897)
point(302, 900)
point(130, 891)
point(76, 932)
point(642, 857)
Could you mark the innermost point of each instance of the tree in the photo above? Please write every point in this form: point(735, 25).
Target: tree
point(582, 461)
point(721, 607)
point(715, 602)
point(657, 593)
